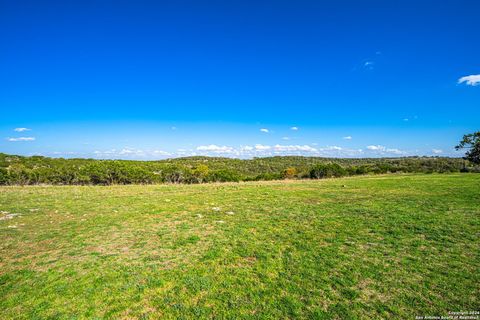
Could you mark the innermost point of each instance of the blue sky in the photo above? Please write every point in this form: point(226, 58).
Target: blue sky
point(155, 79)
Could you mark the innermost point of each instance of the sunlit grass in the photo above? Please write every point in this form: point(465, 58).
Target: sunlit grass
point(363, 247)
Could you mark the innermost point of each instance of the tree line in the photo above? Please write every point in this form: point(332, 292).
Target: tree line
point(19, 170)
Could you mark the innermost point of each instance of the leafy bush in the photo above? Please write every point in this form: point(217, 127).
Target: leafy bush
point(41, 170)
point(328, 170)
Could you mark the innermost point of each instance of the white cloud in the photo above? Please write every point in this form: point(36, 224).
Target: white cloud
point(437, 151)
point(22, 139)
point(262, 150)
point(161, 153)
point(294, 128)
point(394, 151)
point(264, 130)
point(347, 138)
point(376, 148)
point(63, 154)
point(471, 80)
point(130, 153)
point(21, 129)
point(305, 148)
point(216, 149)
point(285, 138)
point(382, 150)
point(261, 147)
point(333, 148)
point(369, 65)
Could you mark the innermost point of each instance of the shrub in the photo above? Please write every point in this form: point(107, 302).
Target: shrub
point(289, 173)
point(328, 170)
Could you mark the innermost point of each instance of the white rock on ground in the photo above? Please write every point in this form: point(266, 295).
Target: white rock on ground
point(8, 216)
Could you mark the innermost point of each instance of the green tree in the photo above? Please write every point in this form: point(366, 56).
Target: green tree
point(3, 176)
point(472, 143)
point(201, 172)
point(289, 173)
point(327, 170)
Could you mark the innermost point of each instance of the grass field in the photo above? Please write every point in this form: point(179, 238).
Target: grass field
point(394, 246)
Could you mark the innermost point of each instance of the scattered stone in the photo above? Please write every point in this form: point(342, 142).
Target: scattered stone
point(230, 213)
point(199, 215)
point(220, 221)
point(216, 209)
point(8, 216)
point(33, 210)
point(167, 200)
point(12, 227)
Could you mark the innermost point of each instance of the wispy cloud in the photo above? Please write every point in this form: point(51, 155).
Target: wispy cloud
point(382, 150)
point(285, 138)
point(369, 64)
point(264, 130)
point(261, 147)
point(131, 153)
point(21, 129)
point(375, 148)
point(471, 80)
point(262, 150)
point(414, 118)
point(336, 148)
point(294, 128)
point(347, 138)
point(216, 149)
point(437, 151)
point(22, 139)
point(395, 151)
point(304, 148)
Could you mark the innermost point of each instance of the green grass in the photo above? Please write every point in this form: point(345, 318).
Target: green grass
point(392, 246)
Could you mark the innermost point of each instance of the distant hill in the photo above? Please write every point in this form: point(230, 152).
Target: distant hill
point(43, 170)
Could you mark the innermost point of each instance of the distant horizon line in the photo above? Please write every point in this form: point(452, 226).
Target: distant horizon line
point(226, 157)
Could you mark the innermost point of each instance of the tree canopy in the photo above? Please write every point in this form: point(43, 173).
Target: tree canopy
point(18, 170)
point(471, 142)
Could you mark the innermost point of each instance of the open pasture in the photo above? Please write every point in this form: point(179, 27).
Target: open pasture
point(393, 246)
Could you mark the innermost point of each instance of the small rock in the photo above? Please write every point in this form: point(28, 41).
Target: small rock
point(8, 216)
point(230, 212)
point(216, 209)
